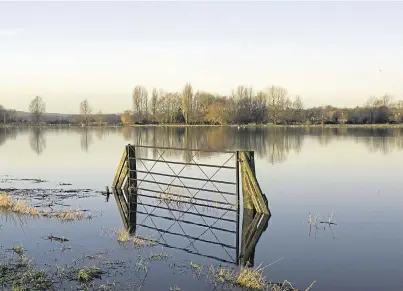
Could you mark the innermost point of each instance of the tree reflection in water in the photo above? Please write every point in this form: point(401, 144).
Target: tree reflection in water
point(37, 140)
point(273, 144)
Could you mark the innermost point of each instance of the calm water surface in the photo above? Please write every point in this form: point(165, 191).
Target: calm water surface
point(354, 173)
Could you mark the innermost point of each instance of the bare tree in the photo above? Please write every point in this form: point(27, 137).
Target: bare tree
point(154, 100)
point(168, 107)
point(259, 107)
point(3, 113)
point(100, 117)
point(12, 115)
point(298, 108)
point(139, 98)
point(243, 99)
point(374, 104)
point(37, 109)
point(399, 105)
point(276, 101)
point(187, 101)
point(85, 111)
point(385, 100)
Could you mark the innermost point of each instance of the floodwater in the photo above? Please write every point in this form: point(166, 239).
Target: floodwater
point(352, 175)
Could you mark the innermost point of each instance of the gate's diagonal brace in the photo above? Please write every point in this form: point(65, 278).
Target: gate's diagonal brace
point(121, 172)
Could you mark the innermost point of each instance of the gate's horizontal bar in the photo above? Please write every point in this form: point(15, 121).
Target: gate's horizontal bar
point(197, 254)
point(185, 196)
point(183, 149)
point(187, 222)
point(189, 202)
point(181, 163)
point(188, 212)
point(188, 187)
point(184, 177)
point(188, 236)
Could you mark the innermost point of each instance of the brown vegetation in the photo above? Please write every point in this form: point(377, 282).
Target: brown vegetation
point(251, 278)
point(22, 207)
point(5, 201)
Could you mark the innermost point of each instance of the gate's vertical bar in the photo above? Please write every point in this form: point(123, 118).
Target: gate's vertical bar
point(237, 161)
point(131, 154)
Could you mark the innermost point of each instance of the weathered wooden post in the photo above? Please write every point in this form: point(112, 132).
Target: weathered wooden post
point(253, 225)
point(127, 206)
point(246, 191)
point(253, 198)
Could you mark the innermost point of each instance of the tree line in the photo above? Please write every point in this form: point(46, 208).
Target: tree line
point(7, 115)
point(243, 106)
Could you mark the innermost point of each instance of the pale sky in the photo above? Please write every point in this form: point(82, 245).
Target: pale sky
point(327, 52)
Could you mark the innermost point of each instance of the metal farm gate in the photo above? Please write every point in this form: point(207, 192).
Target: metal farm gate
point(190, 198)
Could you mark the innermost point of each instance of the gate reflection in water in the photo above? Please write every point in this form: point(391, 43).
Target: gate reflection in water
point(208, 232)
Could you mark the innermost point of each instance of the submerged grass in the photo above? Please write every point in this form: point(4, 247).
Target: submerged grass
point(69, 215)
point(247, 278)
point(177, 200)
point(23, 275)
point(158, 256)
point(88, 274)
point(222, 275)
point(19, 250)
point(123, 236)
point(22, 207)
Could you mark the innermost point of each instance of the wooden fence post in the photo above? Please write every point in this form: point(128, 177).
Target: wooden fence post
point(253, 225)
point(246, 191)
point(253, 198)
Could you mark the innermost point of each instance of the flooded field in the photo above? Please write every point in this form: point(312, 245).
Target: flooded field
point(335, 196)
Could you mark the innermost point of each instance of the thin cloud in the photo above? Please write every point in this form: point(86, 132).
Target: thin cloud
point(10, 32)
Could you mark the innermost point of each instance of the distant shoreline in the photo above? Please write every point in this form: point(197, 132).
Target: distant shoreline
point(400, 125)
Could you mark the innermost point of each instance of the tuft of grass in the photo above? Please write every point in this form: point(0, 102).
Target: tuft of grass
point(6, 201)
point(222, 275)
point(197, 268)
point(158, 256)
point(70, 215)
point(313, 220)
point(19, 250)
point(124, 237)
point(22, 207)
point(88, 274)
point(251, 278)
